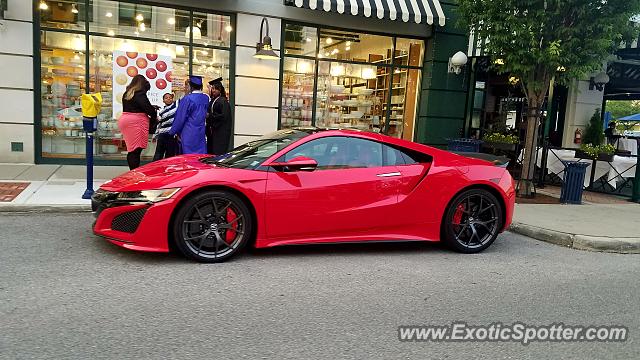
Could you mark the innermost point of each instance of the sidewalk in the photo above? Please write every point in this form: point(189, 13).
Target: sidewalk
point(602, 223)
point(27, 187)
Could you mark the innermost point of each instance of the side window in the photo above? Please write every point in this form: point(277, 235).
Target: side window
point(339, 152)
point(392, 156)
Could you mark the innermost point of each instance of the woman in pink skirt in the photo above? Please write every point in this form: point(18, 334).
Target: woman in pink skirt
point(137, 112)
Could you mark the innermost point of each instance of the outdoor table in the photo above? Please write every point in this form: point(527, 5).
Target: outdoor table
point(630, 145)
point(620, 169)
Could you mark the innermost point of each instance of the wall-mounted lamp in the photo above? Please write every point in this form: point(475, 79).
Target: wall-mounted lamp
point(457, 62)
point(264, 50)
point(599, 81)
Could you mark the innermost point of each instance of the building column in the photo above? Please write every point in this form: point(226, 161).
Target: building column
point(443, 96)
point(581, 104)
point(16, 84)
point(257, 82)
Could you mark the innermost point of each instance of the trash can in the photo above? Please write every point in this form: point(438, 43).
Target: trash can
point(464, 145)
point(572, 187)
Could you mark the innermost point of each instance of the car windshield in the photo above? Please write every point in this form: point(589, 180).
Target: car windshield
point(254, 153)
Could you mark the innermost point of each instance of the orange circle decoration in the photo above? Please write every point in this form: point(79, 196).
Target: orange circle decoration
point(152, 57)
point(161, 66)
point(132, 55)
point(161, 84)
point(151, 73)
point(141, 63)
point(168, 76)
point(132, 71)
point(122, 61)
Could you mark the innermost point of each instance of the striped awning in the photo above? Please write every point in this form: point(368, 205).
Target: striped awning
point(418, 11)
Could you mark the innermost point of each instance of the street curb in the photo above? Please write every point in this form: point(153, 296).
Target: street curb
point(27, 208)
point(580, 242)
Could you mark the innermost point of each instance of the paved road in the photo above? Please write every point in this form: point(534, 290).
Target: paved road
point(67, 294)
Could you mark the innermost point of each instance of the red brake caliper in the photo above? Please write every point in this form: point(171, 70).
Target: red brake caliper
point(231, 233)
point(457, 216)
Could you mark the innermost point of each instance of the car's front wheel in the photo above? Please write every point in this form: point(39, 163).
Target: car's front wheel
point(212, 226)
point(472, 221)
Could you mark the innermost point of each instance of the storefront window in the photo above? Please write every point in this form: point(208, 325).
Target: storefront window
point(297, 92)
point(348, 96)
point(211, 29)
point(300, 40)
point(152, 22)
point(63, 14)
point(63, 81)
point(362, 81)
point(126, 39)
point(344, 45)
point(211, 64)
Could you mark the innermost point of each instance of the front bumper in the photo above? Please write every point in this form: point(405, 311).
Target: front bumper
point(135, 226)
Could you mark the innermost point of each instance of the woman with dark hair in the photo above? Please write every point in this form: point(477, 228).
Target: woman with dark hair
point(137, 113)
point(218, 119)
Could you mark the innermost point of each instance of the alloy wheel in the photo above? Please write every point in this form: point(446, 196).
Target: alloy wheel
point(213, 227)
point(475, 221)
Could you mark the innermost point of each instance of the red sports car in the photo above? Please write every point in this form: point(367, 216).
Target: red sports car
point(306, 186)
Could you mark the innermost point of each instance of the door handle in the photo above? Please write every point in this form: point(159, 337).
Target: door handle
point(391, 174)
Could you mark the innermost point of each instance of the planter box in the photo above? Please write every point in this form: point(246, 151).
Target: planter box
point(601, 157)
point(500, 146)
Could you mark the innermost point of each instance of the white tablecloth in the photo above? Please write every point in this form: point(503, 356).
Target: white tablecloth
point(620, 165)
point(628, 144)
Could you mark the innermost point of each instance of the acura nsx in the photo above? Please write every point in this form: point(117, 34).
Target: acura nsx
point(306, 186)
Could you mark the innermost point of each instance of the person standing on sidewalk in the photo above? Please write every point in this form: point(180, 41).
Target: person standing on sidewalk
point(167, 145)
point(189, 121)
point(137, 113)
point(218, 119)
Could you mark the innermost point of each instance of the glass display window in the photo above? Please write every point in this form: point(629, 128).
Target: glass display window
point(62, 83)
point(113, 62)
point(347, 97)
point(63, 14)
point(351, 46)
point(300, 40)
point(359, 81)
point(297, 92)
point(210, 29)
point(122, 40)
point(211, 64)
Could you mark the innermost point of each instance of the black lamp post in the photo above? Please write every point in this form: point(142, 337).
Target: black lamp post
point(264, 49)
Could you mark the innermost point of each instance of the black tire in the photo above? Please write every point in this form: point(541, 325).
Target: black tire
point(203, 232)
point(472, 221)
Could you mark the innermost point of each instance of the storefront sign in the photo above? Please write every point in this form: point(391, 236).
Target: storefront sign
point(156, 68)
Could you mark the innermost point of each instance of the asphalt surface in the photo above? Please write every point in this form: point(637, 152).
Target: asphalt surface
point(67, 294)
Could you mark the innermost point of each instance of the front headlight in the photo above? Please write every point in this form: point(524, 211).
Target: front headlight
point(147, 195)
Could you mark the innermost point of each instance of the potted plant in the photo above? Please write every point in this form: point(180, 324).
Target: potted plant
point(604, 152)
point(592, 146)
point(499, 141)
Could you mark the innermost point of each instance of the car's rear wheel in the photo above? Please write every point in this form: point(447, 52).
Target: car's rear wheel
point(472, 221)
point(212, 226)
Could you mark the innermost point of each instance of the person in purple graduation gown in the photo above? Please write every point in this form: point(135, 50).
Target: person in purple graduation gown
point(189, 122)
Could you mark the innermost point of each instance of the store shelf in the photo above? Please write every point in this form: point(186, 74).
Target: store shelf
point(387, 59)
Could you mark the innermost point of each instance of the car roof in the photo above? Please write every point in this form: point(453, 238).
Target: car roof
point(323, 132)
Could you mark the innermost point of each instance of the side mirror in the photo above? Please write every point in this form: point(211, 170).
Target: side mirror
point(299, 163)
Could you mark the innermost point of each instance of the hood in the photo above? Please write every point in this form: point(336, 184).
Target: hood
point(158, 174)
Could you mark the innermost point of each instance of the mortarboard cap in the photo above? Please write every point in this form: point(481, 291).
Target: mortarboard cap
point(196, 80)
point(216, 81)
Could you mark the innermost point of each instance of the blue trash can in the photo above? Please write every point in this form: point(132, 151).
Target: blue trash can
point(573, 185)
point(464, 145)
